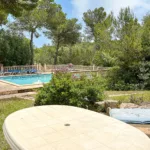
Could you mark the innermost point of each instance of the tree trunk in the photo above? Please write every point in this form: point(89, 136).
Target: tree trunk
point(56, 53)
point(31, 49)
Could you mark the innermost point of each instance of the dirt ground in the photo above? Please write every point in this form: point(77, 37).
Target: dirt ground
point(144, 128)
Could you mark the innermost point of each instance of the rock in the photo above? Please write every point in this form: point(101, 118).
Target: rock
point(108, 103)
point(145, 105)
point(108, 111)
point(111, 104)
point(101, 103)
point(129, 105)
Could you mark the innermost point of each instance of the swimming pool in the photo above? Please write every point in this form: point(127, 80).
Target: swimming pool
point(28, 79)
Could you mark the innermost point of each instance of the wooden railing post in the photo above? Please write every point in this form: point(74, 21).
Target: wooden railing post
point(37, 67)
point(1, 67)
point(45, 67)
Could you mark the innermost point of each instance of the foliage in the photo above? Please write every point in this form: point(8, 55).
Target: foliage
point(78, 54)
point(128, 30)
point(136, 100)
point(3, 17)
point(106, 58)
point(8, 106)
point(62, 31)
point(14, 49)
point(130, 71)
point(117, 80)
point(134, 96)
point(132, 78)
point(32, 21)
point(144, 74)
point(15, 7)
point(101, 27)
point(74, 90)
point(45, 55)
point(91, 18)
point(146, 37)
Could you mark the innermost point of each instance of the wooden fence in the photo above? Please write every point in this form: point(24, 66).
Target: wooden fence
point(52, 68)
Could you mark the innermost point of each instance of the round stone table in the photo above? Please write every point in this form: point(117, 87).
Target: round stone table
point(70, 128)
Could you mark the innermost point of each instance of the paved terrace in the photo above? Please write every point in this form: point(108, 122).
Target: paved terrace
point(6, 88)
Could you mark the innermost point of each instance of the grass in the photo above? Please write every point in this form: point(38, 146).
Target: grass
point(124, 92)
point(144, 95)
point(7, 107)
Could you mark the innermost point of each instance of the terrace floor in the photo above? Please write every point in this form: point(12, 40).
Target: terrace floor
point(6, 88)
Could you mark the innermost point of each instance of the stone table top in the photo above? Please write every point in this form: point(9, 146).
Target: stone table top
point(70, 128)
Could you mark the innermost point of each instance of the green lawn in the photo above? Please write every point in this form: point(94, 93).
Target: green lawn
point(144, 95)
point(7, 107)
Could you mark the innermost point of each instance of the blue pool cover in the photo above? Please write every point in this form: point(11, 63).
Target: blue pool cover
point(136, 115)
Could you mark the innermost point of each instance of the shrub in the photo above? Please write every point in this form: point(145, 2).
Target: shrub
point(123, 79)
point(144, 74)
point(66, 89)
point(136, 100)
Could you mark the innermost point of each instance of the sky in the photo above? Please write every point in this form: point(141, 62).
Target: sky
point(76, 8)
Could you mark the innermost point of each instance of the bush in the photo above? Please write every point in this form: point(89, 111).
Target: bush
point(144, 74)
point(136, 100)
point(123, 79)
point(68, 89)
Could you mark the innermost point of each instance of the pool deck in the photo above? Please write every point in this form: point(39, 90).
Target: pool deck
point(6, 88)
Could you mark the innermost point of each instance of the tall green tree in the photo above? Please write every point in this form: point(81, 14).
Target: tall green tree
point(104, 39)
point(94, 17)
point(98, 28)
point(32, 21)
point(146, 37)
point(128, 32)
point(62, 31)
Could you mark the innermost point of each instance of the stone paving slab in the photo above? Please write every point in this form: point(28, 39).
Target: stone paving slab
point(6, 86)
point(6, 89)
point(70, 128)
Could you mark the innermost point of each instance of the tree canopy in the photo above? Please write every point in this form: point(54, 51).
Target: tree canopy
point(14, 49)
point(62, 31)
point(15, 7)
point(32, 21)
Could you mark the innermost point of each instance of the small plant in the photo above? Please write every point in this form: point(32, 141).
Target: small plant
point(136, 100)
point(64, 89)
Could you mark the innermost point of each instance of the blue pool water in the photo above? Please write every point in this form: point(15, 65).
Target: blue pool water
point(28, 79)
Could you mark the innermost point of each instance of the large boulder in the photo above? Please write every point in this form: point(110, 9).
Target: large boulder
point(111, 104)
point(102, 104)
point(145, 105)
point(108, 103)
point(129, 105)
